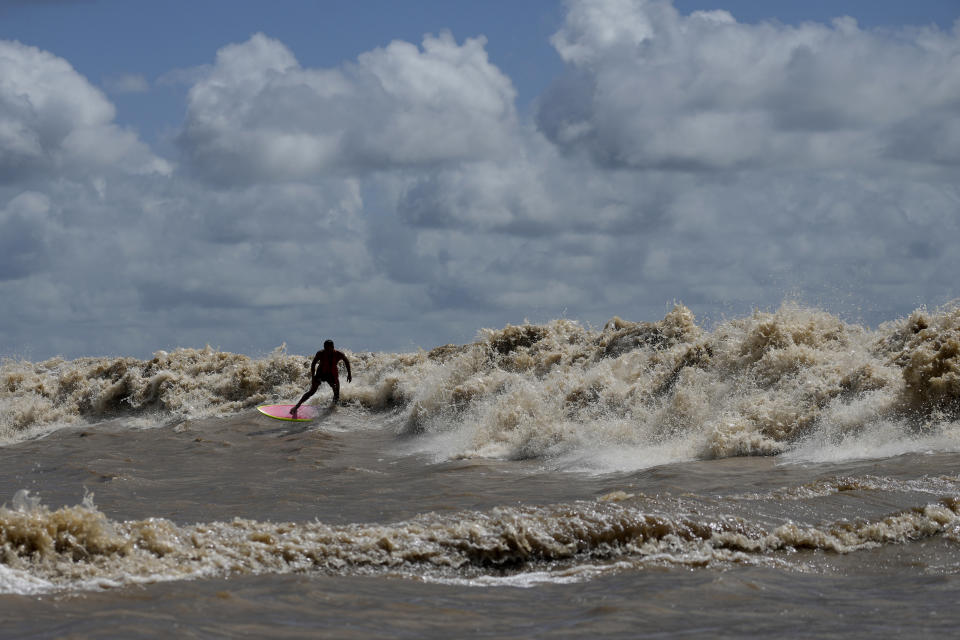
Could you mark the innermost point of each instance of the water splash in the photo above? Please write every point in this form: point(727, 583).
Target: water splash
point(78, 547)
point(796, 381)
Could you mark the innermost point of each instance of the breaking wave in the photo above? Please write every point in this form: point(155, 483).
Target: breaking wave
point(78, 547)
point(797, 381)
point(185, 383)
point(637, 394)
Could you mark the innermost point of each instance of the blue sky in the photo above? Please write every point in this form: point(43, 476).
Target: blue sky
point(105, 39)
point(152, 39)
point(245, 174)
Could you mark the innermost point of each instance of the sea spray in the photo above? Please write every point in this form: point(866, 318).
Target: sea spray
point(757, 385)
point(177, 385)
point(763, 384)
point(80, 547)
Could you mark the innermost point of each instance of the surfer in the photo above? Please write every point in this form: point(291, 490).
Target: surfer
point(324, 369)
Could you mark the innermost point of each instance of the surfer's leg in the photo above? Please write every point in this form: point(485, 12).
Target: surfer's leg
point(313, 389)
point(335, 385)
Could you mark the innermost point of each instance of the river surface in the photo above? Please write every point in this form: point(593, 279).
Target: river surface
point(346, 481)
point(784, 473)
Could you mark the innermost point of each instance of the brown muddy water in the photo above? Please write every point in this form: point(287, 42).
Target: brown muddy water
point(783, 474)
point(249, 527)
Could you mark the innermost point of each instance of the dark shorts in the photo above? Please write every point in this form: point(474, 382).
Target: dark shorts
point(321, 377)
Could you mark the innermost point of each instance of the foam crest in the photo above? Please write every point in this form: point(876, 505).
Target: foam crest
point(79, 547)
point(930, 359)
point(943, 485)
point(759, 385)
point(796, 381)
point(182, 383)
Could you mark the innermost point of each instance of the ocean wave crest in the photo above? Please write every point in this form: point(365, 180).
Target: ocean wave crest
point(78, 547)
point(796, 380)
point(176, 385)
point(759, 385)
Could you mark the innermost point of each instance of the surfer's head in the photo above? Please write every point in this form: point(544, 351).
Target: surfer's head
point(328, 344)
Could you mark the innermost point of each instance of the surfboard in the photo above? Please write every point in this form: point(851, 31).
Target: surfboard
point(305, 413)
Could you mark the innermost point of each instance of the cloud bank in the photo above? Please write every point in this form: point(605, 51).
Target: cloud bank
point(258, 116)
point(401, 200)
point(54, 123)
point(650, 89)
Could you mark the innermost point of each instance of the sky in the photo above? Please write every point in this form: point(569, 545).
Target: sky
point(397, 176)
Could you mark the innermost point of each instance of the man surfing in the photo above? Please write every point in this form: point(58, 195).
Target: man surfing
point(324, 369)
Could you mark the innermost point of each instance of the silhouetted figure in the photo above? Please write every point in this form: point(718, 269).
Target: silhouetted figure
point(324, 369)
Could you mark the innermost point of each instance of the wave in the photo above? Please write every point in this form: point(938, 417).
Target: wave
point(185, 383)
point(78, 547)
point(796, 381)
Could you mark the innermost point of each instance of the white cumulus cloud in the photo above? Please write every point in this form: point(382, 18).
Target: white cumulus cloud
point(258, 115)
point(647, 87)
point(400, 199)
point(53, 120)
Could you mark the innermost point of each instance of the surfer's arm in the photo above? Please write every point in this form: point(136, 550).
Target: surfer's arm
point(347, 362)
point(313, 365)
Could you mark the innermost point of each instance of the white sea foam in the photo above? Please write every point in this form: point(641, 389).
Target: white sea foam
point(643, 394)
point(880, 439)
point(15, 581)
point(79, 547)
point(797, 382)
